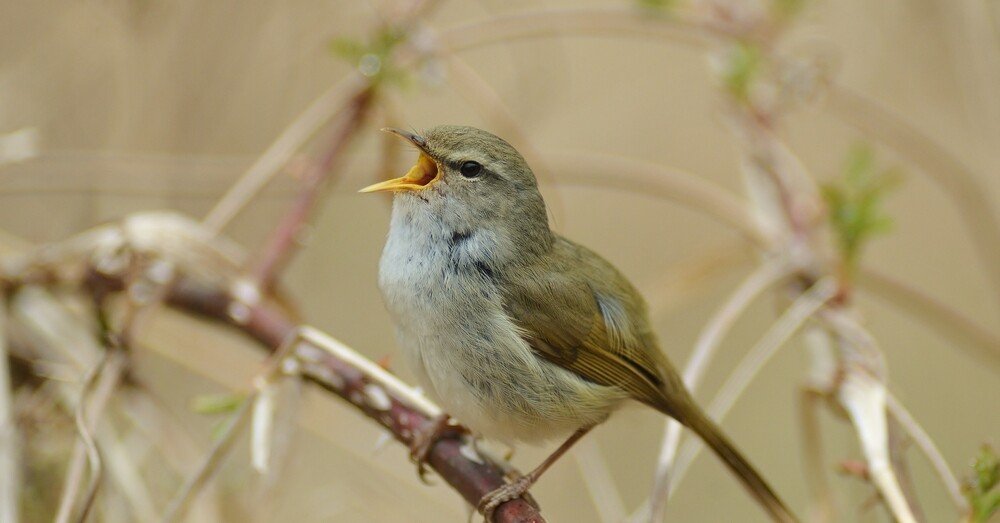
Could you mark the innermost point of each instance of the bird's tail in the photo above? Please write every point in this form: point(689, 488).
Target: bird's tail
point(712, 435)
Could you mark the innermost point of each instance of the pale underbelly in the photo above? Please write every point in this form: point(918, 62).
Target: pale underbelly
point(502, 391)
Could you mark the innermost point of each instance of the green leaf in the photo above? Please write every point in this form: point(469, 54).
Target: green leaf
point(982, 488)
point(347, 48)
point(656, 5)
point(217, 403)
point(373, 58)
point(788, 8)
point(855, 202)
point(742, 67)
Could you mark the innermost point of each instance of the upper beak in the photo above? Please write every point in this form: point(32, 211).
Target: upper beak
point(420, 176)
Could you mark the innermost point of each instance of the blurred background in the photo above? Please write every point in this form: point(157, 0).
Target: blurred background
point(135, 105)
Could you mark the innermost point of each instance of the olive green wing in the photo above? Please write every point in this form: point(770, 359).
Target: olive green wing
point(579, 312)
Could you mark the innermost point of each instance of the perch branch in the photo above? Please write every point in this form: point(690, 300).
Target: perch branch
point(343, 372)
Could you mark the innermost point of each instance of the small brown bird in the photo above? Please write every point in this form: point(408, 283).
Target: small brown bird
point(519, 333)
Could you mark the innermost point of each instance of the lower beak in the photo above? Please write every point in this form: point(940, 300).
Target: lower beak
point(420, 176)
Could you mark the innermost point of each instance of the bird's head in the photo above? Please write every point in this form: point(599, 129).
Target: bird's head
point(472, 180)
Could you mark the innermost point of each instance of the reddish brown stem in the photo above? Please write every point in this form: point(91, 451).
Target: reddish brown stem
point(280, 245)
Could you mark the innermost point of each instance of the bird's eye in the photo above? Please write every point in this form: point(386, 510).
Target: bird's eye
point(471, 169)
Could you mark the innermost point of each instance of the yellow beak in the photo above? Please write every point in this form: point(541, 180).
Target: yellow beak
point(420, 176)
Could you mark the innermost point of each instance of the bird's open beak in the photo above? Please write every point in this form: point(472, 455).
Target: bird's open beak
point(420, 176)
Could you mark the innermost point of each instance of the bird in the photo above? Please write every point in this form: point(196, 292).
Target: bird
point(519, 333)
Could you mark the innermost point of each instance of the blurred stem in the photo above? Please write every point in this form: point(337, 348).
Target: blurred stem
point(280, 245)
point(981, 344)
point(579, 167)
point(292, 139)
point(10, 469)
point(619, 21)
point(224, 443)
point(765, 276)
point(481, 95)
point(213, 460)
point(102, 380)
point(930, 450)
point(597, 478)
point(821, 504)
point(959, 182)
point(801, 310)
point(969, 198)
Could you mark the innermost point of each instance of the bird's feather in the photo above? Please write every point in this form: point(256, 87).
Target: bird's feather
point(594, 326)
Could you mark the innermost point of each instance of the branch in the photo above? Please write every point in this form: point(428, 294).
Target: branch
point(348, 375)
point(821, 508)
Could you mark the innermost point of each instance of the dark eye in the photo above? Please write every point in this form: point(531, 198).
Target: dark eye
point(471, 169)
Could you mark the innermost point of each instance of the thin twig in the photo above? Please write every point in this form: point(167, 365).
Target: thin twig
point(821, 506)
point(708, 342)
point(580, 167)
point(478, 92)
point(801, 310)
point(587, 22)
point(124, 469)
point(597, 478)
point(930, 450)
point(102, 380)
point(10, 471)
point(949, 322)
point(280, 245)
point(292, 139)
point(969, 198)
point(219, 451)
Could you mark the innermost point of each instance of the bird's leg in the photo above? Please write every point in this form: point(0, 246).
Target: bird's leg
point(520, 486)
point(426, 436)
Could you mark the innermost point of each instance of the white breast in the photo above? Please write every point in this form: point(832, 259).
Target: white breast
point(467, 353)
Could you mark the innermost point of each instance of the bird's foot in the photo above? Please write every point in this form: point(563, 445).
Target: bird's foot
point(425, 437)
point(517, 488)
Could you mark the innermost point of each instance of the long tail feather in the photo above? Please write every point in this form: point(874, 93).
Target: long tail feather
point(712, 435)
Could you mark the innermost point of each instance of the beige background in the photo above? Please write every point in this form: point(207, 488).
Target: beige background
point(148, 104)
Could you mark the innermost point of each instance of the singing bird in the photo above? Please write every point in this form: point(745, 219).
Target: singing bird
point(519, 333)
